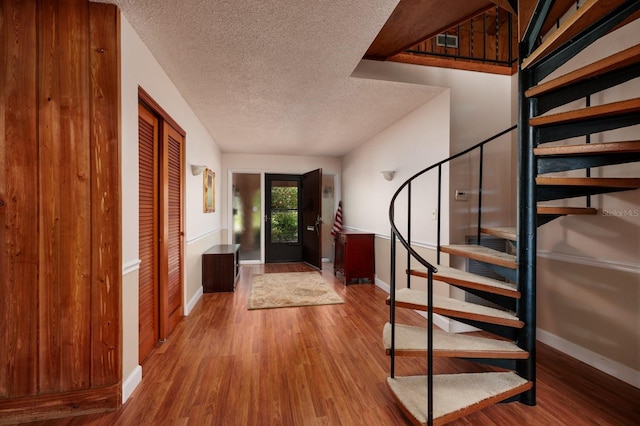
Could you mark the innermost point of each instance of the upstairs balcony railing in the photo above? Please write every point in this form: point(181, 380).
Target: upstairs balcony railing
point(488, 38)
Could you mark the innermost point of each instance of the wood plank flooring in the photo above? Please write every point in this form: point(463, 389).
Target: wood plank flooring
point(325, 365)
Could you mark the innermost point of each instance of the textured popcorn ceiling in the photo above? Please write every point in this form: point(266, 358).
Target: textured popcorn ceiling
point(273, 76)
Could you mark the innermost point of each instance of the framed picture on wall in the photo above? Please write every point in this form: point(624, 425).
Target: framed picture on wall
point(209, 191)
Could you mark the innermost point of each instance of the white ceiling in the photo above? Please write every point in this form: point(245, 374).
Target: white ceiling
point(273, 76)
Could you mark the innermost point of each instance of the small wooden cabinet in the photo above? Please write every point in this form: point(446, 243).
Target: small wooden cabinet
point(220, 268)
point(354, 256)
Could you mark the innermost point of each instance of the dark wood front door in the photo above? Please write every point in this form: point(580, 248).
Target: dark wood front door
point(282, 218)
point(311, 218)
point(292, 218)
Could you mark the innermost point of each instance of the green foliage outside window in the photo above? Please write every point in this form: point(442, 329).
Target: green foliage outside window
point(284, 227)
point(284, 214)
point(284, 197)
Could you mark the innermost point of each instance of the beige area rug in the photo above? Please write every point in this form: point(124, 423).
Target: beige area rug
point(279, 290)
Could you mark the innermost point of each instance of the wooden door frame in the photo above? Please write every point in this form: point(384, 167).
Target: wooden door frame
point(165, 322)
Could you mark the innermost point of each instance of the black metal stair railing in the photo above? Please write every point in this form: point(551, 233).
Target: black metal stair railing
point(407, 184)
point(411, 253)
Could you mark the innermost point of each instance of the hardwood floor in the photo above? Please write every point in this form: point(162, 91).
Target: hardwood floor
point(325, 365)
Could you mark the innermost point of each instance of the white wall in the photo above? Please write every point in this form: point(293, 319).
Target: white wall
point(408, 146)
point(139, 68)
point(480, 107)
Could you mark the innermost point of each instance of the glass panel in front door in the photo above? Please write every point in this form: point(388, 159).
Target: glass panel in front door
point(284, 212)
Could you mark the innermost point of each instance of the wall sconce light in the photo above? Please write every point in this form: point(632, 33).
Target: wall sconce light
point(388, 174)
point(197, 169)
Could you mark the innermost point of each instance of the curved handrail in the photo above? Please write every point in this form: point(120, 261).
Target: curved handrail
point(395, 233)
point(394, 228)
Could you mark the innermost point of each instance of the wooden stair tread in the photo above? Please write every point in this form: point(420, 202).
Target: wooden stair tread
point(587, 14)
point(482, 254)
point(467, 279)
point(504, 232)
point(629, 106)
point(559, 210)
point(412, 341)
point(593, 182)
point(614, 62)
point(588, 149)
point(417, 299)
point(454, 395)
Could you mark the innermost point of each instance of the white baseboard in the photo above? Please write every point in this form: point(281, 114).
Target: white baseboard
point(131, 383)
point(194, 300)
point(251, 262)
point(595, 360)
point(384, 286)
point(615, 265)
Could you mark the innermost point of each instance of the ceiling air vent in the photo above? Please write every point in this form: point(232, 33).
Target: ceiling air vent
point(446, 40)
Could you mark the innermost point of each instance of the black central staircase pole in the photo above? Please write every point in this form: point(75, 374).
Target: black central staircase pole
point(478, 233)
point(392, 303)
point(408, 233)
point(430, 348)
point(526, 232)
point(438, 210)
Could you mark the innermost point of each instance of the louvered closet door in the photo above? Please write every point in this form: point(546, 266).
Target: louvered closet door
point(172, 218)
point(148, 327)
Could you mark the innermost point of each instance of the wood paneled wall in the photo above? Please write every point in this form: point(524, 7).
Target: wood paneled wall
point(60, 255)
point(491, 45)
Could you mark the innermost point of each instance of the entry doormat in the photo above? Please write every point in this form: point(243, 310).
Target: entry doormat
point(280, 290)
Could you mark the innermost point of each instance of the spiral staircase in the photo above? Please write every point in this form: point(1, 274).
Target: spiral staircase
point(544, 157)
